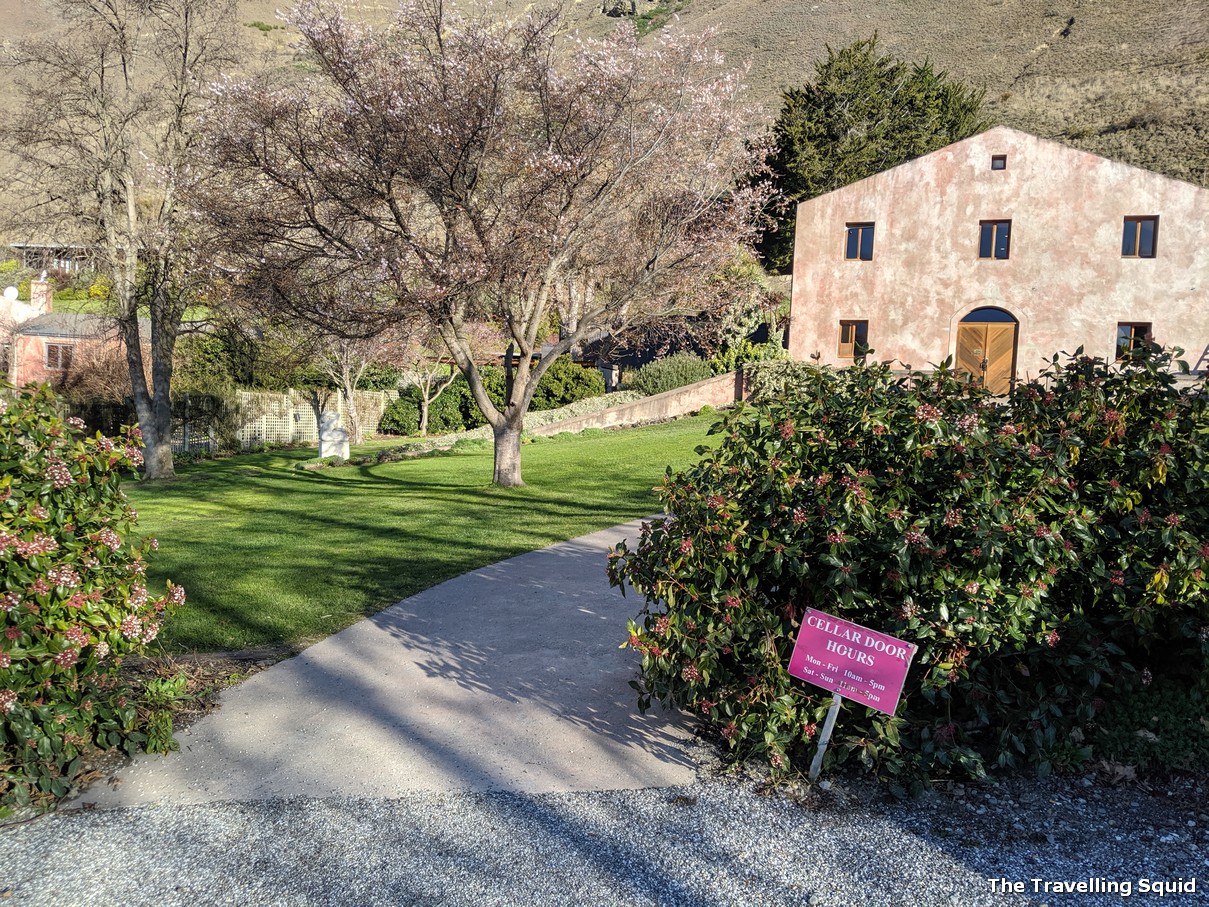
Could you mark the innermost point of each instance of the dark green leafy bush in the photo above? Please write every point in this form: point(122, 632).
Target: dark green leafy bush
point(669, 373)
point(1040, 554)
point(74, 598)
point(564, 382)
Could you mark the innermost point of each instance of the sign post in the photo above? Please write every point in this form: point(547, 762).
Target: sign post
point(851, 661)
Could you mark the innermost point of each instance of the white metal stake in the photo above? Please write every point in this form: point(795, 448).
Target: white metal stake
point(825, 737)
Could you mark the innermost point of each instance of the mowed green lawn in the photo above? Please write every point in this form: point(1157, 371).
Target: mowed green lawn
point(271, 555)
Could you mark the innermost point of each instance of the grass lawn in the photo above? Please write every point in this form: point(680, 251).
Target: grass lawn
point(270, 555)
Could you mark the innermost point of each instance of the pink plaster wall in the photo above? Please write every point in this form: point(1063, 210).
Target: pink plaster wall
point(1065, 281)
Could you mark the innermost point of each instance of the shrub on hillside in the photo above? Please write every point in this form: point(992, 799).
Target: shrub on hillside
point(669, 373)
point(74, 598)
point(1041, 554)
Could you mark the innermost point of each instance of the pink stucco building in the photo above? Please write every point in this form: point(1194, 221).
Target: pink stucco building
point(999, 251)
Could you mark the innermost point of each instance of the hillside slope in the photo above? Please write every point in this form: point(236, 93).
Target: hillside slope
point(1128, 79)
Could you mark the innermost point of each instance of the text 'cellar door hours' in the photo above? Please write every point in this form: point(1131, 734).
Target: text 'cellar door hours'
point(853, 661)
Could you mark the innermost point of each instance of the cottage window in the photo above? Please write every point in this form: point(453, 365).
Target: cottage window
point(1138, 237)
point(995, 238)
point(854, 339)
point(1131, 335)
point(999, 162)
point(860, 243)
point(58, 356)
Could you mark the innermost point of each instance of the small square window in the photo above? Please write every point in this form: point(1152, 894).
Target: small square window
point(854, 339)
point(859, 245)
point(1139, 236)
point(58, 356)
point(994, 238)
point(1131, 335)
point(999, 162)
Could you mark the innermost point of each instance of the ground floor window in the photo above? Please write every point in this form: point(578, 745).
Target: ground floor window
point(58, 356)
point(1130, 336)
point(854, 339)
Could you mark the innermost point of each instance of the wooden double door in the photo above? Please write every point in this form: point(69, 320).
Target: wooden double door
point(986, 351)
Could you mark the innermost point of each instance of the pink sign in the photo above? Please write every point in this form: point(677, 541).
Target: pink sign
point(858, 663)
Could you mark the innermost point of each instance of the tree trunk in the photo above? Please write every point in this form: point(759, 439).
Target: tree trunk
point(152, 405)
point(507, 454)
point(356, 434)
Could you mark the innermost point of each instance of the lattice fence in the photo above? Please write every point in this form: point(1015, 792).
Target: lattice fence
point(265, 417)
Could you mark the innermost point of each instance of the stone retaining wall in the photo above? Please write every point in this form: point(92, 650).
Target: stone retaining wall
point(719, 391)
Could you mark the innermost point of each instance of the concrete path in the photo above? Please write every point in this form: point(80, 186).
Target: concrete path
point(507, 678)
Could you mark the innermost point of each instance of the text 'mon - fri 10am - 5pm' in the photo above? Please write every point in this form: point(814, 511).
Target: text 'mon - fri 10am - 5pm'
point(855, 662)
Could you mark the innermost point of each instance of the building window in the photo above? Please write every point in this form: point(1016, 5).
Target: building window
point(995, 238)
point(854, 339)
point(999, 162)
point(58, 356)
point(1138, 238)
point(1131, 335)
point(860, 242)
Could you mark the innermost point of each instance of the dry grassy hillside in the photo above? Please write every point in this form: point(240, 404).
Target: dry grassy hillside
point(1125, 78)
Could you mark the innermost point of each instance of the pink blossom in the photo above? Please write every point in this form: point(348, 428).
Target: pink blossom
point(58, 473)
point(67, 658)
point(690, 673)
point(40, 544)
point(5, 659)
point(10, 601)
point(64, 577)
point(1052, 638)
point(8, 699)
point(131, 627)
point(76, 422)
point(926, 412)
point(109, 539)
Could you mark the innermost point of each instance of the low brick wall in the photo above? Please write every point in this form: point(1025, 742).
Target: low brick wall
point(722, 390)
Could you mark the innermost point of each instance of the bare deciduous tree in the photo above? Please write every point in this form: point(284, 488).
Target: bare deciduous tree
point(480, 170)
point(102, 138)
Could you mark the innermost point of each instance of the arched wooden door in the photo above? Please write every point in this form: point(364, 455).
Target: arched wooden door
point(986, 348)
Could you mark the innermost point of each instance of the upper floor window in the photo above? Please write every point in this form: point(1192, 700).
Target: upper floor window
point(1138, 237)
point(1130, 336)
point(859, 246)
point(854, 339)
point(58, 356)
point(994, 238)
point(999, 162)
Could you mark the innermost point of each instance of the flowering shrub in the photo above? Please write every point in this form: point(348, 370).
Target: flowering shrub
point(1036, 551)
point(74, 598)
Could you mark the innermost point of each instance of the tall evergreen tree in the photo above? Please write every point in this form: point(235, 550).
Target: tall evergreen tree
point(863, 113)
